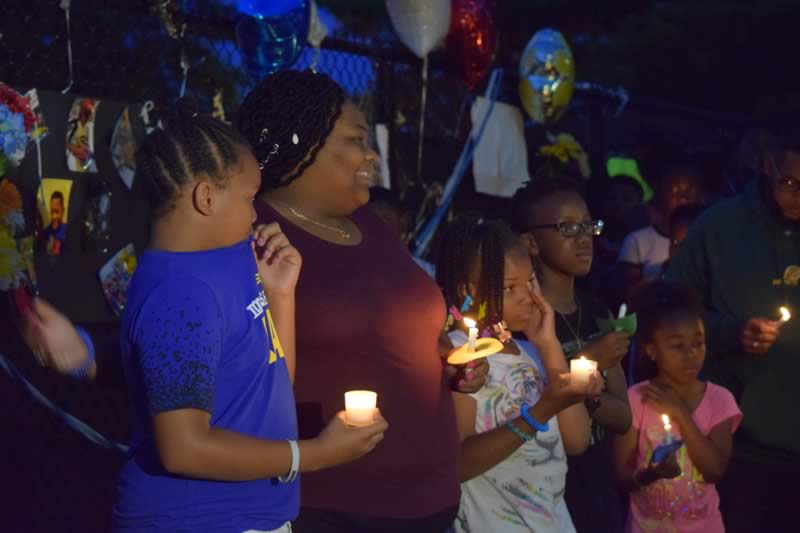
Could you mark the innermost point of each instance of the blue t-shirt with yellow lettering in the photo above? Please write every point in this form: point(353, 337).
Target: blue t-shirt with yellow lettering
point(197, 333)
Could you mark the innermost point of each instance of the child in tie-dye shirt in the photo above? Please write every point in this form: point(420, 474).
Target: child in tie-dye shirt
point(516, 430)
point(676, 494)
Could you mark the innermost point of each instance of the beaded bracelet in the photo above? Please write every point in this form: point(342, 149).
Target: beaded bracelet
point(525, 437)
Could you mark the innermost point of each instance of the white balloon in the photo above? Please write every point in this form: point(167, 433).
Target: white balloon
point(317, 30)
point(420, 24)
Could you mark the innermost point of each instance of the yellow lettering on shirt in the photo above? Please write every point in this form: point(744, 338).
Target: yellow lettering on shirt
point(276, 350)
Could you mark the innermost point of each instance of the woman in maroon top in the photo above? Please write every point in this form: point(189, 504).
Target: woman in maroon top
point(367, 316)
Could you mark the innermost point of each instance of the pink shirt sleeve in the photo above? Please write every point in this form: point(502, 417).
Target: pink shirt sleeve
point(723, 407)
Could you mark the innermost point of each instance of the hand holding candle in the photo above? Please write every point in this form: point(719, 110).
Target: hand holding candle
point(759, 334)
point(340, 442)
point(360, 407)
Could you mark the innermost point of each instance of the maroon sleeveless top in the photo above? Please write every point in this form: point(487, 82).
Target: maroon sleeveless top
point(369, 318)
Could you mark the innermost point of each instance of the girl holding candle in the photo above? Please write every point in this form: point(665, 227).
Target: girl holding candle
point(371, 318)
point(516, 430)
point(677, 494)
point(553, 221)
point(209, 381)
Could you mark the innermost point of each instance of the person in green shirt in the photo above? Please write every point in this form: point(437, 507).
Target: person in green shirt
point(743, 257)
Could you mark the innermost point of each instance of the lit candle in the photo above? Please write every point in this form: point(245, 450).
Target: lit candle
point(785, 315)
point(360, 407)
point(581, 369)
point(623, 310)
point(473, 334)
point(667, 429)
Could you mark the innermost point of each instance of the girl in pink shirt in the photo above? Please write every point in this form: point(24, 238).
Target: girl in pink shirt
point(675, 493)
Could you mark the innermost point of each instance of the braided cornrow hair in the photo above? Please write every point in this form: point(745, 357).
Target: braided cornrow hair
point(466, 240)
point(189, 146)
point(287, 119)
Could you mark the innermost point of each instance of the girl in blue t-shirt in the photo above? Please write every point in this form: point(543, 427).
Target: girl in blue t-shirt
point(208, 349)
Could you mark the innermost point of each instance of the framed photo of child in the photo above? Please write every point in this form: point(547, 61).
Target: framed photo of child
point(53, 200)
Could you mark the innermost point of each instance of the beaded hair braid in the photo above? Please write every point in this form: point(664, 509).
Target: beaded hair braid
point(464, 241)
point(287, 119)
point(190, 146)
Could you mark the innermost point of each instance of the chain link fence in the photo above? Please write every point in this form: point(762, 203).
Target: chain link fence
point(121, 51)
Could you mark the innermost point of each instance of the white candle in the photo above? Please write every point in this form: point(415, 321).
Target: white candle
point(785, 315)
point(360, 407)
point(581, 369)
point(623, 310)
point(667, 429)
point(473, 333)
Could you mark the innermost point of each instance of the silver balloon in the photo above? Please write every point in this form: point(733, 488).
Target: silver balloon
point(420, 24)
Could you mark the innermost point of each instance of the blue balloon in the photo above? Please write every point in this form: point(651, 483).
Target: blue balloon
point(269, 44)
point(268, 8)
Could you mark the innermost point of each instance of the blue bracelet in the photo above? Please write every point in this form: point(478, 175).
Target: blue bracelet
point(526, 416)
point(83, 371)
point(525, 437)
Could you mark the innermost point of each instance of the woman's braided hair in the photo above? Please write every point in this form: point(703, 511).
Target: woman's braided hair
point(191, 145)
point(287, 119)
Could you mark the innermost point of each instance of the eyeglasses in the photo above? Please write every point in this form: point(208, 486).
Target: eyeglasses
point(784, 183)
point(575, 229)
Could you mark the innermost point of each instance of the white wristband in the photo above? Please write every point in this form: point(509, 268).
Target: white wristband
point(292, 475)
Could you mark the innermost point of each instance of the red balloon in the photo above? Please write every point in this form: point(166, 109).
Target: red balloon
point(471, 41)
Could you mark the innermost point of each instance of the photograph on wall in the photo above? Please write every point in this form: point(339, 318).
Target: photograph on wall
point(115, 276)
point(123, 148)
point(53, 201)
point(97, 224)
point(80, 135)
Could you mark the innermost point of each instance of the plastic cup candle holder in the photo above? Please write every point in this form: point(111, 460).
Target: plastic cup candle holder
point(360, 407)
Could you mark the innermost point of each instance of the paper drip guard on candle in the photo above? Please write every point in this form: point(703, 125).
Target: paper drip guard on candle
point(663, 450)
point(626, 324)
point(360, 407)
point(483, 348)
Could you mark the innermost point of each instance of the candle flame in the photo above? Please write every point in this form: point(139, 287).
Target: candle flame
point(469, 322)
point(785, 314)
point(665, 419)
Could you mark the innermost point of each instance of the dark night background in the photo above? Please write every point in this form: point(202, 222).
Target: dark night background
point(699, 73)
